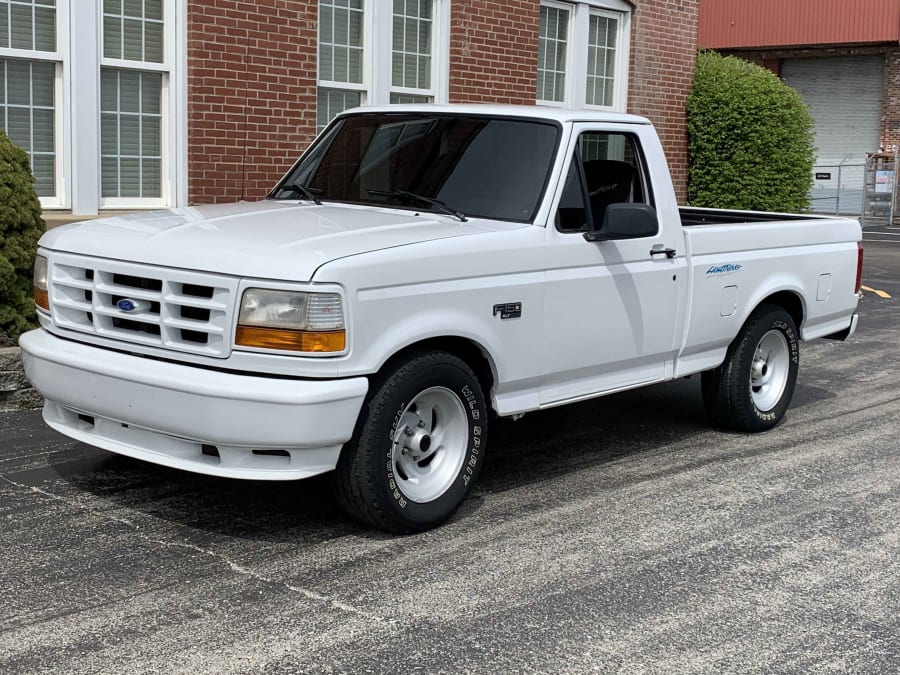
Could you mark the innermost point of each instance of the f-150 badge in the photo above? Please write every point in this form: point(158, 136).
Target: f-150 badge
point(508, 310)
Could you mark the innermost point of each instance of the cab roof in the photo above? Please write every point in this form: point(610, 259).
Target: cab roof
point(555, 114)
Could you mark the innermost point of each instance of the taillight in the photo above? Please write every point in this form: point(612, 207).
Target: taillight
point(859, 266)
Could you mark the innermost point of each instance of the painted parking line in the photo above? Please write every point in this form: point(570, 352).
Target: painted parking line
point(880, 294)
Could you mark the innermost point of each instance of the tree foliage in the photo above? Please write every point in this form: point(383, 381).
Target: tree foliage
point(21, 226)
point(750, 138)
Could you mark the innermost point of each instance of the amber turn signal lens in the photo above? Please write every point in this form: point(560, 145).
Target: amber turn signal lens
point(42, 299)
point(291, 340)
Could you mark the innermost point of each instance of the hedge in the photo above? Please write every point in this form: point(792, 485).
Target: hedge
point(21, 226)
point(750, 139)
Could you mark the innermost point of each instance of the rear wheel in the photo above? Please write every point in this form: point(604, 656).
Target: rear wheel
point(753, 387)
point(418, 445)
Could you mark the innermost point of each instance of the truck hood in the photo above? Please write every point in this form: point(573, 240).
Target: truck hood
point(266, 240)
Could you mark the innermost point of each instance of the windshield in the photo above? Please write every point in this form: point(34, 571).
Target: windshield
point(478, 166)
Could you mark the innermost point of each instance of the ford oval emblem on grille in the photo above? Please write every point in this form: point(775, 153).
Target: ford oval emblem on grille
point(126, 305)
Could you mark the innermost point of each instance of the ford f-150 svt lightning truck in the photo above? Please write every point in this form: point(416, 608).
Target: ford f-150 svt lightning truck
point(419, 270)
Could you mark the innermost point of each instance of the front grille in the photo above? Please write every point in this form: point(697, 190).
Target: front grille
point(174, 309)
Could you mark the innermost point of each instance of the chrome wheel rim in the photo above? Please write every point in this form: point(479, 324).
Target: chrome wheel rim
point(769, 370)
point(429, 444)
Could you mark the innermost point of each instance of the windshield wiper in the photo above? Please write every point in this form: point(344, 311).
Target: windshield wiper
point(437, 203)
point(305, 190)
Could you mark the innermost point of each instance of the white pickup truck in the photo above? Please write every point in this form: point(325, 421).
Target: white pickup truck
point(419, 270)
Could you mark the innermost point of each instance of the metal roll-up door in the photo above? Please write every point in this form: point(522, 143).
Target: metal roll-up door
point(844, 95)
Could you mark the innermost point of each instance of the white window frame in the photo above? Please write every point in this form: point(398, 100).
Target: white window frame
point(60, 123)
point(168, 147)
point(570, 53)
point(77, 108)
point(580, 12)
point(376, 87)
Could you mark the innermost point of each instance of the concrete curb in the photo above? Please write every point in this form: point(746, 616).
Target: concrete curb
point(16, 392)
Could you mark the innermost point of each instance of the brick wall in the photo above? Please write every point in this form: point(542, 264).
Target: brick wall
point(493, 51)
point(251, 94)
point(890, 107)
point(663, 53)
point(252, 80)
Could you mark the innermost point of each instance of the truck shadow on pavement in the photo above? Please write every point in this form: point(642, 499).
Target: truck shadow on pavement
point(538, 447)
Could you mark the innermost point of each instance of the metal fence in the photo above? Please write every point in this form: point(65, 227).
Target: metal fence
point(839, 189)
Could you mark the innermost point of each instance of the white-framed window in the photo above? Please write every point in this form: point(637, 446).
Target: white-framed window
point(134, 76)
point(583, 51)
point(376, 57)
point(31, 66)
point(91, 92)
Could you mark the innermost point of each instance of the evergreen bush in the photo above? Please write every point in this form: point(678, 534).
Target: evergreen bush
point(21, 226)
point(750, 139)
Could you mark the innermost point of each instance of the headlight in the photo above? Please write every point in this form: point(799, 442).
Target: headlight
point(303, 322)
point(41, 296)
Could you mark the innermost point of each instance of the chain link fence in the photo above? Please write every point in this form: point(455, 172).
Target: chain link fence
point(839, 189)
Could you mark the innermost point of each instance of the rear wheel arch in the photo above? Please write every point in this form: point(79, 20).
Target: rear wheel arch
point(789, 301)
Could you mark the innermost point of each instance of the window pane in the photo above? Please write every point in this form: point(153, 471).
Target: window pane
point(153, 42)
point(27, 114)
point(44, 169)
point(45, 29)
point(410, 98)
point(22, 27)
point(151, 179)
point(109, 134)
point(552, 49)
point(332, 101)
point(112, 37)
point(28, 24)
point(340, 41)
point(153, 9)
point(411, 44)
point(42, 130)
point(133, 30)
point(43, 75)
point(133, 40)
point(4, 24)
point(130, 133)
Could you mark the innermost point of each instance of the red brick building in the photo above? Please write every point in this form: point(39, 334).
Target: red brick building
point(130, 104)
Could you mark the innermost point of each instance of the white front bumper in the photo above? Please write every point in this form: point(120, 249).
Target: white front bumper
point(191, 418)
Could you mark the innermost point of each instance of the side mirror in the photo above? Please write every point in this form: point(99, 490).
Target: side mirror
point(626, 221)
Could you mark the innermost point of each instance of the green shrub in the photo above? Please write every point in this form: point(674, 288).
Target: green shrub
point(750, 139)
point(20, 228)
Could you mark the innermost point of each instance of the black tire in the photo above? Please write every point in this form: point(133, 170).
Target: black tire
point(732, 394)
point(370, 482)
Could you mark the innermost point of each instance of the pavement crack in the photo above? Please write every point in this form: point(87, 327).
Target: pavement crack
point(232, 565)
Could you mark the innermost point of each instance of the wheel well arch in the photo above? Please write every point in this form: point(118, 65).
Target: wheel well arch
point(790, 301)
point(465, 349)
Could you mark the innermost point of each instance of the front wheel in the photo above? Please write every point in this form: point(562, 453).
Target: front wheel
point(753, 387)
point(418, 445)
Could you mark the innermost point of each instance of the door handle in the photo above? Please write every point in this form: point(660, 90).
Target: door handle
point(668, 252)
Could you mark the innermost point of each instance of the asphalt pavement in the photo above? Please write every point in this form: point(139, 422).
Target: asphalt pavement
point(622, 534)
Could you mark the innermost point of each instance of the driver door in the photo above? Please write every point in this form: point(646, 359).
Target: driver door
point(611, 306)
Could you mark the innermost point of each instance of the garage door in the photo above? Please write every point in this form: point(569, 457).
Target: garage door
point(844, 96)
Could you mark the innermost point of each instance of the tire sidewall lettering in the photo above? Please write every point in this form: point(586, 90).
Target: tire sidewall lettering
point(473, 402)
point(778, 410)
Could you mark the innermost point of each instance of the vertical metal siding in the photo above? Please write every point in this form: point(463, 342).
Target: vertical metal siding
point(775, 23)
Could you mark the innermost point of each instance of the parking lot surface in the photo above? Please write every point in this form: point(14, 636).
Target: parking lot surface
point(621, 534)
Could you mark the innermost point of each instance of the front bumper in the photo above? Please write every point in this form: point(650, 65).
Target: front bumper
point(185, 417)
